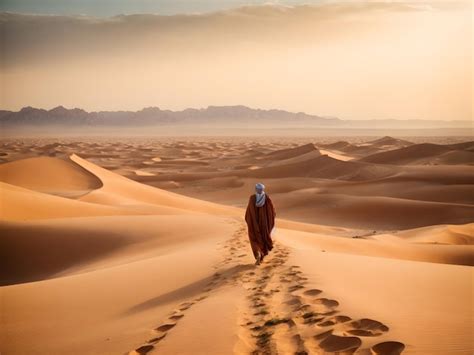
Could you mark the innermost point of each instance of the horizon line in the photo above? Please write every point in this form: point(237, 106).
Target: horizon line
point(329, 117)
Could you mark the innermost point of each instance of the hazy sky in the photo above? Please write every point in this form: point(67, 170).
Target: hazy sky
point(162, 7)
point(353, 59)
point(115, 7)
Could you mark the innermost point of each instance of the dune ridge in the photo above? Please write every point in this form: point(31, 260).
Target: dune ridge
point(132, 192)
point(50, 175)
point(425, 153)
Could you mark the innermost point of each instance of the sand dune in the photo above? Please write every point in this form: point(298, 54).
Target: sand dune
point(105, 303)
point(289, 153)
point(48, 248)
point(336, 155)
point(425, 153)
point(384, 213)
point(333, 183)
point(304, 157)
point(388, 141)
point(323, 167)
point(410, 297)
point(139, 270)
point(442, 234)
point(72, 245)
point(50, 175)
point(339, 145)
point(122, 191)
point(19, 204)
point(368, 147)
point(401, 245)
point(374, 204)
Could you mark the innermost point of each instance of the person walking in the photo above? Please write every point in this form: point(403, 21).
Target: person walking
point(260, 218)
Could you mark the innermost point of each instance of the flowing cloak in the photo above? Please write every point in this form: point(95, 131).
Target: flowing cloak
point(260, 222)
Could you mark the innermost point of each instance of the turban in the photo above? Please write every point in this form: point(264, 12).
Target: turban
point(260, 195)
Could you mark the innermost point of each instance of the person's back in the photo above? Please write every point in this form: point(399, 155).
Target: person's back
point(260, 218)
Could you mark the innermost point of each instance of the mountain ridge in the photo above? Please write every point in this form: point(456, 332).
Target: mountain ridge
point(219, 115)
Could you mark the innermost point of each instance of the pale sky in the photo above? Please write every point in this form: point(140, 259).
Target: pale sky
point(103, 8)
point(116, 7)
point(353, 60)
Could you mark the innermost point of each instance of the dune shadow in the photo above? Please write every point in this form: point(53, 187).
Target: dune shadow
point(191, 290)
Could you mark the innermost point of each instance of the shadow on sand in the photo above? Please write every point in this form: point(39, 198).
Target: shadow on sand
point(193, 289)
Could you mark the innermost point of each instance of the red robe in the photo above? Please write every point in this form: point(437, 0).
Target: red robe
point(260, 222)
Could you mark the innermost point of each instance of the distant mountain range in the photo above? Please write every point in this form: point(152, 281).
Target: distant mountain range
point(224, 116)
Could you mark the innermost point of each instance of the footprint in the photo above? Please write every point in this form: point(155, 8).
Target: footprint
point(388, 348)
point(295, 288)
point(330, 313)
point(335, 343)
point(275, 321)
point(340, 319)
point(367, 327)
point(144, 349)
point(326, 302)
point(311, 318)
point(261, 312)
point(305, 308)
point(323, 335)
point(363, 333)
point(185, 306)
point(294, 301)
point(256, 328)
point(157, 339)
point(325, 305)
point(302, 278)
point(165, 327)
point(263, 339)
point(312, 292)
point(176, 317)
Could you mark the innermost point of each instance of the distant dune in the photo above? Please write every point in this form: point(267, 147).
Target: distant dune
point(323, 167)
point(289, 153)
point(367, 148)
point(388, 141)
point(426, 154)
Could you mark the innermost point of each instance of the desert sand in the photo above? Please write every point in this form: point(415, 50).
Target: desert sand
point(115, 246)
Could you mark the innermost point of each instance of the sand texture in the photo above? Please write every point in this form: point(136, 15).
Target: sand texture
point(139, 246)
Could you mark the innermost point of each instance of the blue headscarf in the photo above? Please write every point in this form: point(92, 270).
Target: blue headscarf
point(260, 195)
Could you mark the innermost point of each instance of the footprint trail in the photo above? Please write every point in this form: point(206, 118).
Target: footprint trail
point(282, 314)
